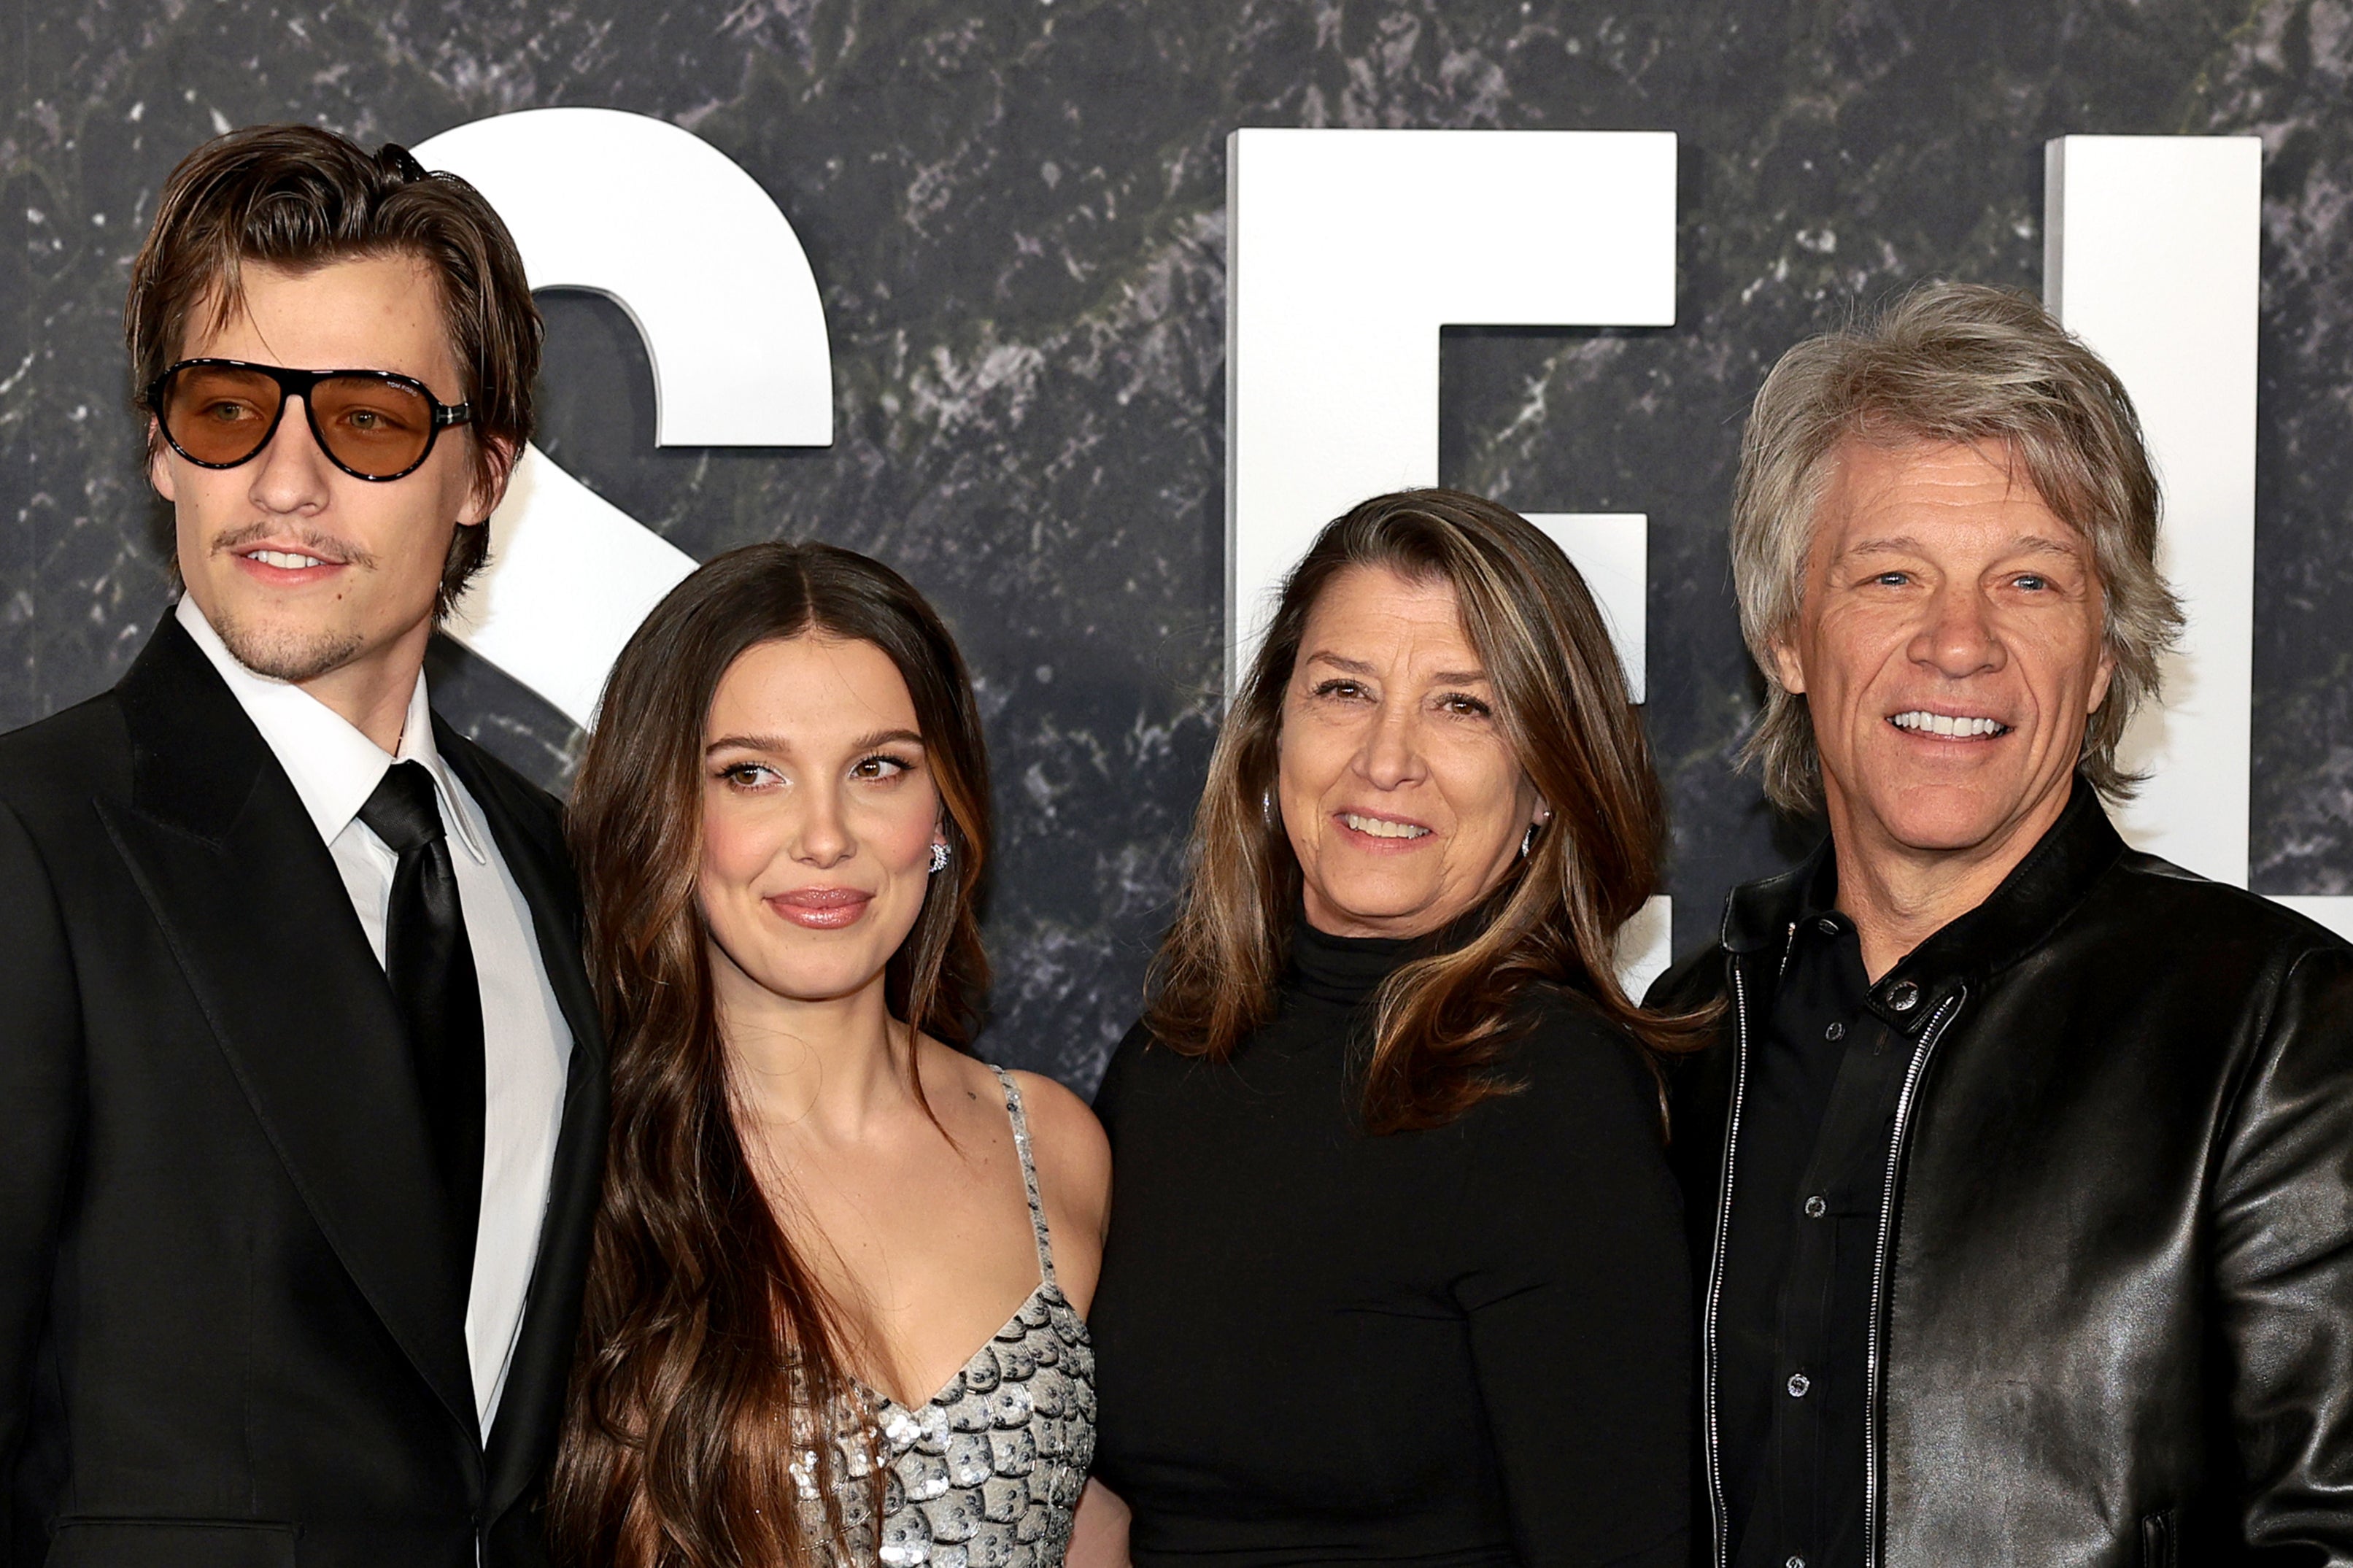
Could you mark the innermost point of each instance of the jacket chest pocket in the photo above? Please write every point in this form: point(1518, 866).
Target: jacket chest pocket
point(2159, 1540)
point(169, 1543)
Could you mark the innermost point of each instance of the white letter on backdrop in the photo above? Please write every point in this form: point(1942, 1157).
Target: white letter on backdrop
point(2150, 256)
point(674, 232)
point(2153, 256)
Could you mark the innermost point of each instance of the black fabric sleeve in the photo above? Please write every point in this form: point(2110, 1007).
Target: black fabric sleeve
point(1578, 1296)
point(2284, 1262)
point(1115, 1075)
point(40, 1100)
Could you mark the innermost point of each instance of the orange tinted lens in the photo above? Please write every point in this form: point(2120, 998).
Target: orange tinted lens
point(217, 415)
point(372, 426)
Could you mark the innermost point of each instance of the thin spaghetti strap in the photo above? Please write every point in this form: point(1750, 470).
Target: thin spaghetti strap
point(1029, 1173)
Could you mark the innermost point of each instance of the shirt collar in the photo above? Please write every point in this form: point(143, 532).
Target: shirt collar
point(2043, 890)
point(333, 766)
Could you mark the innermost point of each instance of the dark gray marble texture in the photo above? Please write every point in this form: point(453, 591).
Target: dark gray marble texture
point(1015, 210)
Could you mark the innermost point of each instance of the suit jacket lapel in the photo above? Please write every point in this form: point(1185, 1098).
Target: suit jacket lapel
point(255, 911)
point(532, 1405)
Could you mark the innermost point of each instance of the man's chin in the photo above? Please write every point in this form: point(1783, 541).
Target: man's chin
point(291, 654)
point(1952, 819)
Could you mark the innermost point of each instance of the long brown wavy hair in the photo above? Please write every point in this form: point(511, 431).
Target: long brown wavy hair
point(708, 1345)
point(1443, 1017)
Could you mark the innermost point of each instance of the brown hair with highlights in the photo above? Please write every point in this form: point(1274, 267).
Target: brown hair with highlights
point(296, 198)
point(710, 1351)
point(1444, 1017)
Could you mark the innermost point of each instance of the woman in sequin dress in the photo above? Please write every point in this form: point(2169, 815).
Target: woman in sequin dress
point(1396, 1271)
point(834, 1308)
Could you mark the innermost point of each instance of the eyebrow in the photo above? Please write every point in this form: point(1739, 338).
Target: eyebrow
point(1358, 666)
point(865, 742)
point(2033, 544)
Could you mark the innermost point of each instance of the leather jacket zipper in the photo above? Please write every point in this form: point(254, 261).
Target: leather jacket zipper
point(1716, 1264)
point(1872, 1501)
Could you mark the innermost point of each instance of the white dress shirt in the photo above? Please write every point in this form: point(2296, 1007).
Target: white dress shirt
point(526, 1047)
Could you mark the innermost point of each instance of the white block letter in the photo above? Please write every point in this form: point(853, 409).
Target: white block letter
point(674, 232)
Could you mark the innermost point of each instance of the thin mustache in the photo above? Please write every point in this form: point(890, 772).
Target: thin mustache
point(324, 546)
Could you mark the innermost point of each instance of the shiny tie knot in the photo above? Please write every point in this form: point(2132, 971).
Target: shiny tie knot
point(403, 811)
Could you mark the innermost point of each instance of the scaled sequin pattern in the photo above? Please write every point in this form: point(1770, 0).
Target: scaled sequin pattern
point(987, 1473)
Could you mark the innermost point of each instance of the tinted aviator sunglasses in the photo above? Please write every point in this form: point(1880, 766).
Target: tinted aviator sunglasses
point(372, 423)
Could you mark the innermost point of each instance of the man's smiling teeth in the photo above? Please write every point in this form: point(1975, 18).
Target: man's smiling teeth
point(285, 558)
point(1381, 828)
point(1946, 724)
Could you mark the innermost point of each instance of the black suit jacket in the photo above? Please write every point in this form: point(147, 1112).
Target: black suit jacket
point(228, 1337)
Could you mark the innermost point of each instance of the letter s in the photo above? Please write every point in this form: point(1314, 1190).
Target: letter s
point(674, 232)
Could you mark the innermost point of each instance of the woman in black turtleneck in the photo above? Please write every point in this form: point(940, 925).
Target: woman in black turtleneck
point(1396, 1270)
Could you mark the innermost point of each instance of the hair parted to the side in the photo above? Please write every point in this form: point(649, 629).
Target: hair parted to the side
point(1949, 363)
point(296, 199)
point(710, 1351)
point(1444, 1017)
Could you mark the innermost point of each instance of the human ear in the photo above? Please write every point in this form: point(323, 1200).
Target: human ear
point(1788, 667)
point(2100, 679)
point(159, 462)
point(490, 484)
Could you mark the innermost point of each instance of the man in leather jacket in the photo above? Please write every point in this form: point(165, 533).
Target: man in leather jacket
point(2021, 1167)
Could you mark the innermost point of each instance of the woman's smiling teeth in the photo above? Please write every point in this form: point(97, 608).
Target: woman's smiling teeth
point(285, 558)
point(1381, 827)
point(1927, 723)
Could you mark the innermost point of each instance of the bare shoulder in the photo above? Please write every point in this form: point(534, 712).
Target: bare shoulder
point(1072, 1155)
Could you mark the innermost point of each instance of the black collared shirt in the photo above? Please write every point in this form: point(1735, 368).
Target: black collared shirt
point(1794, 1317)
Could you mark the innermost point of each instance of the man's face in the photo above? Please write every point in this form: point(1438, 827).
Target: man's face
point(1949, 647)
point(302, 569)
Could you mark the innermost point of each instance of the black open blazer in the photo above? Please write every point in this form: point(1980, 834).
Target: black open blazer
point(228, 1336)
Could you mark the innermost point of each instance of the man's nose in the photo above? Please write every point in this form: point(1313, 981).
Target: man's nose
point(1958, 639)
point(291, 474)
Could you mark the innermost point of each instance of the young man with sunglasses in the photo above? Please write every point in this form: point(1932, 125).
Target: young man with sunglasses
point(300, 1084)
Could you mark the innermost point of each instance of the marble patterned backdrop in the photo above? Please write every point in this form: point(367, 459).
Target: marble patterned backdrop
point(1015, 210)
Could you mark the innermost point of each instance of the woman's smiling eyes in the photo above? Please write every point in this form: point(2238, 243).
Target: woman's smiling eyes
point(1345, 689)
point(747, 775)
point(879, 767)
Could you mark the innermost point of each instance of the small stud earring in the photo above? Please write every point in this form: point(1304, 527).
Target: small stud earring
point(939, 859)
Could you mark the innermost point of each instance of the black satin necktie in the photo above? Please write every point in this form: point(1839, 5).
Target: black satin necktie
point(431, 966)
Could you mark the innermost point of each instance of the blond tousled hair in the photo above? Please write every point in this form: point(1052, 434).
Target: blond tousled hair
point(1958, 363)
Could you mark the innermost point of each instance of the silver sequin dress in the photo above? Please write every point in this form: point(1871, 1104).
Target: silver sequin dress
point(985, 1473)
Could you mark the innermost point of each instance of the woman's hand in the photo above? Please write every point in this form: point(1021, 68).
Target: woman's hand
point(1099, 1530)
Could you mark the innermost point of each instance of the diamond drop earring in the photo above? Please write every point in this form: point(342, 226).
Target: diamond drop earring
point(939, 859)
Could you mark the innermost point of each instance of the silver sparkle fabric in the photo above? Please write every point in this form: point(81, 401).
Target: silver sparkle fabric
point(985, 1473)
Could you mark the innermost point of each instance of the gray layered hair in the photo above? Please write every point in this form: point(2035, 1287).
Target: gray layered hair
point(1956, 362)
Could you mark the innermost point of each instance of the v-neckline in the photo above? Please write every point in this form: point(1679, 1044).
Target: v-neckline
point(964, 1366)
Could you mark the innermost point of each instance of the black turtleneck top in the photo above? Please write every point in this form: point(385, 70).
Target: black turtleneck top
point(1465, 1345)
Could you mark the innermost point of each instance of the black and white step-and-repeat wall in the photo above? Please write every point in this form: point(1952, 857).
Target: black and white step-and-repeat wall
point(950, 284)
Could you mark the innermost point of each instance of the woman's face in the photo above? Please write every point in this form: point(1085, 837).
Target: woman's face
point(1399, 792)
point(819, 818)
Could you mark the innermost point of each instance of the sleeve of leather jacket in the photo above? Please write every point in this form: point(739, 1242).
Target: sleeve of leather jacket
point(2283, 1258)
point(40, 1033)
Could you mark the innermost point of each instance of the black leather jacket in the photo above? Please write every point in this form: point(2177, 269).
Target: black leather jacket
point(2113, 1291)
